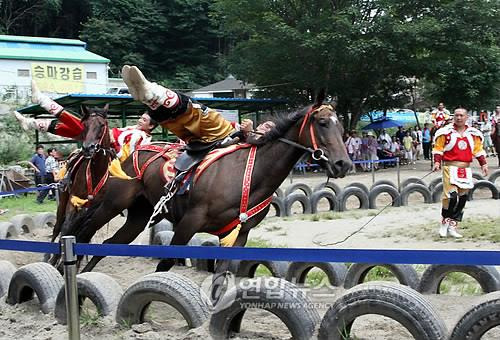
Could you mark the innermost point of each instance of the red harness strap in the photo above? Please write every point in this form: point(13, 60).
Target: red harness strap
point(91, 193)
point(311, 129)
point(140, 171)
point(245, 195)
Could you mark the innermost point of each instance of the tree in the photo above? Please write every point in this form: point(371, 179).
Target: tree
point(15, 13)
point(361, 50)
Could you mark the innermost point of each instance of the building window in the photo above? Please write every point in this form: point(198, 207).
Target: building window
point(91, 75)
point(23, 73)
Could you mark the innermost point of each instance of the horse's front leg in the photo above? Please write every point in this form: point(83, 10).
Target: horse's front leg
point(189, 225)
point(219, 283)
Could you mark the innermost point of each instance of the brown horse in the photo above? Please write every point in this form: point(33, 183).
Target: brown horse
point(214, 200)
point(86, 168)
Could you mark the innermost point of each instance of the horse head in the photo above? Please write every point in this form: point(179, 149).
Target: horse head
point(95, 134)
point(322, 131)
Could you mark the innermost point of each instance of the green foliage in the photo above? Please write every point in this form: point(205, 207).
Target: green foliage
point(24, 205)
point(14, 143)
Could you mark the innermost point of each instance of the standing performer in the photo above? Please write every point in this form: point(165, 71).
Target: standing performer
point(454, 148)
point(440, 116)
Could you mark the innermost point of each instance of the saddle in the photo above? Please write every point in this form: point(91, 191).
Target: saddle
point(195, 152)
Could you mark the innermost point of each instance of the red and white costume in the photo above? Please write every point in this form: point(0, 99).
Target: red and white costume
point(125, 140)
point(439, 118)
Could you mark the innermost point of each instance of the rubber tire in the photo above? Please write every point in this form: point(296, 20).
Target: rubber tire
point(494, 176)
point(8, 230)
point(247, 268)
point(484, 184)
point(301, 321)
point(45, 220)
point(40, 278)
point(397, 302)
point(405, 273)
point(478, 176)
point(163, 225)
point(487, 277)
point(358, 185)
point(479, 319)
point(163, 238)
point(412, 180)
point(24, 223)
point(318, 195)
point(331, 186)
point(176, 290)
point(7, 270)
point(403, 198)
point(383, 182)
point(207, 265)
point(279, 206)
point(297, 272)
point(296, 197)
point(279, 193)
point(383, 188)
point(353, 191)
point(306, 190)
point(437, 193)
point(434, 183)
point(101, 289)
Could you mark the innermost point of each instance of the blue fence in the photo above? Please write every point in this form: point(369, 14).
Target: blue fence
point(458, 257)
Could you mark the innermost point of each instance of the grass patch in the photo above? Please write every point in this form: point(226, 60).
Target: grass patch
point(481, 229)
point(262, 271)
point(379, 273)
point(258, 242)
point(24, 205)
point(460, 284)
point(273, 228)
point(315, 278)
point(89, 317)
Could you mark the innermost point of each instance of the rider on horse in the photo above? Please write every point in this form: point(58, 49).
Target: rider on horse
point(124, 140)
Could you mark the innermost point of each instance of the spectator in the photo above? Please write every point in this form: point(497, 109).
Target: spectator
point(417, 142)
point(395, 147)
point(400, 134)
point(372, 150)
point(384, 136)
point(364, 150)
point(486, 130)
point(408, 147)
point(38, 164)
point(52, 168)
point(426, 141)
point(353, 145)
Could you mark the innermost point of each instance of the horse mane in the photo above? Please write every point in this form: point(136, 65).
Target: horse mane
point(284, 121)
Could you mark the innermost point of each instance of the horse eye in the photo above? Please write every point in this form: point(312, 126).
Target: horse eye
point(323, 122)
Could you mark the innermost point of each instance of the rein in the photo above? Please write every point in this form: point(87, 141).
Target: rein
point(93, 191)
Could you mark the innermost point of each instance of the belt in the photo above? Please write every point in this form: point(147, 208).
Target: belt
point(457, 163)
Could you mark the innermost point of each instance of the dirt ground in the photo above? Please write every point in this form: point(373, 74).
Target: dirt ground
point(26, 321)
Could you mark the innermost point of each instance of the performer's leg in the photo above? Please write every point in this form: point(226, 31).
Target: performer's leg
point(28, 123)
point(44, 101)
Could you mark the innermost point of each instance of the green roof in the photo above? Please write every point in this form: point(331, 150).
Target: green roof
point(48, 49)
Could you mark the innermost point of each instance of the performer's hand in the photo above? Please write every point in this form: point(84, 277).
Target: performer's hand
point(246, 125)
point(436, 166)
point(485, 170)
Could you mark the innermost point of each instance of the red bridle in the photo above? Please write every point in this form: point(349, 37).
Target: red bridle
point(317, 153)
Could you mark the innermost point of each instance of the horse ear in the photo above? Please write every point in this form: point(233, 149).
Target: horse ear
point(85, 112)
point(320, 97)
point(105, 110)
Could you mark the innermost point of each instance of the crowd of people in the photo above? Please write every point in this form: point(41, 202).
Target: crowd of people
point(46, 167)
point(407, 144)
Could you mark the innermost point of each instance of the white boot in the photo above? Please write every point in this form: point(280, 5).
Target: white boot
point(151, 94)
point(44, 101)
point(452, 229)
point(126, 80)
point(28, 124)
point(443, 230)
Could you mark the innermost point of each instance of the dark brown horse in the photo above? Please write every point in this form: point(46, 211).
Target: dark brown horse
point(214, 200)
point(86, 168)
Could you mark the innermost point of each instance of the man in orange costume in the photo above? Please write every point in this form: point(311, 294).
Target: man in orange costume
point(455, 146)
